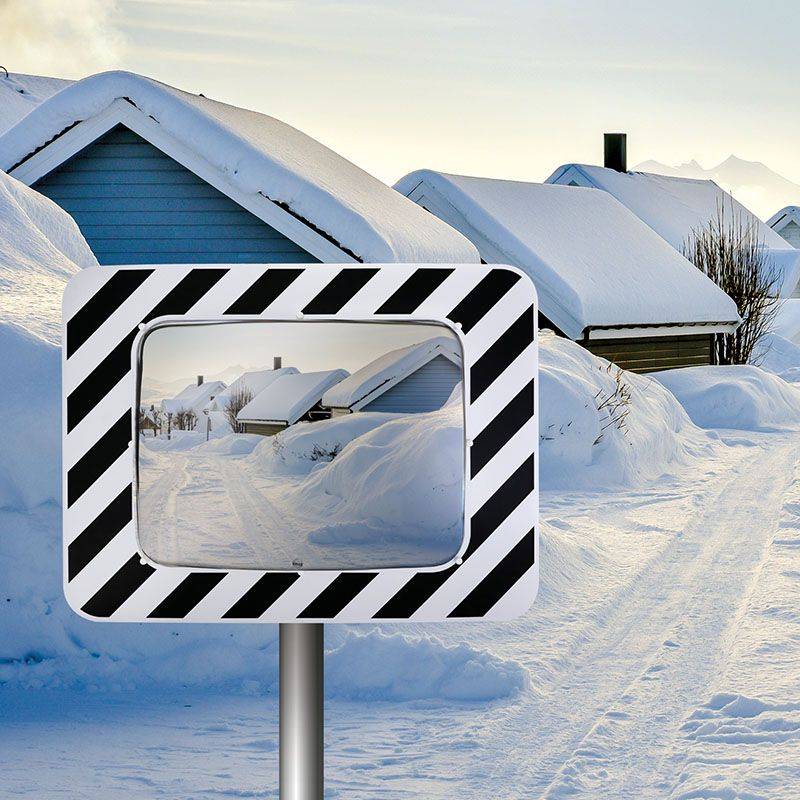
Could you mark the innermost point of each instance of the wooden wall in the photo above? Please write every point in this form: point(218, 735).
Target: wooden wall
point(654, 353)
point(427, 389)
point(135, 205)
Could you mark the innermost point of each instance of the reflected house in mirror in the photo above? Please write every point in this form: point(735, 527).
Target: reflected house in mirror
point(193, 399)
point(248, 384)
point(287, 400)
point(413, 379)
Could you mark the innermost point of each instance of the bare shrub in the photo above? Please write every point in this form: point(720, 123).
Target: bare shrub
point(731, 253)
point(614, 406)
point(236, 402)
point(184, 419)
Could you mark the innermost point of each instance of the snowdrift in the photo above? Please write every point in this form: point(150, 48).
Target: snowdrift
point(780, 356)
point(740, 397)
point(591, 437)
point(40, 249)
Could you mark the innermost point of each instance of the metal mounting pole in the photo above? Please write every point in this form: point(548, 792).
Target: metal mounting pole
point(301, 711)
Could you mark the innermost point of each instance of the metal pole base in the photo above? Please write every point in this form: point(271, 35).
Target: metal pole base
point(301, 711)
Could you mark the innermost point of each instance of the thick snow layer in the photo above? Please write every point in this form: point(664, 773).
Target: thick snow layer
point(260, 155)
point(367, 383)
point(675, 207)
point(787, 320)
point(30, 408)
point(20, 94)
point(379, 666)
point(289, 397)
point(193, 397)
point(777, 355)
point(590, 437)
point(741, 397)
point(255, 382)
point(594, 263)
point(40, 249)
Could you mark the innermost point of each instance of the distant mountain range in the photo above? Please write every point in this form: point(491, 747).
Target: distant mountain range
point(154, 391)
point(752, 183)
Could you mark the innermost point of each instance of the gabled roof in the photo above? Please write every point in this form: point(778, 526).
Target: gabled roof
point(255, 381)
point(263, 159)
point(193, 397)
point(20, 94)
point(675, 207)
point(373, 379)
point(780, 219)
point(288, 398)
point(593, 262)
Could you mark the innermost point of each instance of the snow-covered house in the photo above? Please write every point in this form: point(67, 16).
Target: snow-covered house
point(153, 174)
point(20, 94)
point(195, 397)
point(287, 400)
point(255, 382)
point(786, 223)
point(675, 207)
point(413, 379)
point(603, 277)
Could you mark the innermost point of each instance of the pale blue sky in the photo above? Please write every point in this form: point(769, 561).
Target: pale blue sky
point(504, 88)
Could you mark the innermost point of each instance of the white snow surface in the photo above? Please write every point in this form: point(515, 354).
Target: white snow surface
point(594, 262)
point(675, 207)
point(255, 382)
point(20, 94)
point(260, 155)
point(778, 355)
point(367, 383)
point(290, 396)
point(41, 248)
point(739, 396)
point(780, 219)
point(787, 320)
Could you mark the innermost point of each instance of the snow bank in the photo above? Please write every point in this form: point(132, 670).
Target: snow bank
point(778, 355)
point(40, 249)
point(787, 320)
point(30, 408)
point(740, 397)
point(377, 666)
point(584, 445)
point(20, 94)
point(259, 155)
point(403, 480)
point(298, 449)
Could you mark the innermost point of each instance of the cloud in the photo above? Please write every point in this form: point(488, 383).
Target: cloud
point(63, 39)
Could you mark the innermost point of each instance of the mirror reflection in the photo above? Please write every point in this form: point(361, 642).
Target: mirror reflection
point(300, 445)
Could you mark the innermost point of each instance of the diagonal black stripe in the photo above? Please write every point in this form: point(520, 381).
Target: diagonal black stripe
point(186, 595)
point(264, 291)
point(481, 299)
point(110, 371)
point(261, 595)
point(484, 522)
point(336, 595)
point(500, 579)
point(98, 533)
point(497, 358)
point(417, 288)
point(345, 285)
point(119, 587)
point(501, 429)
point(99, 457)
point(108, 298)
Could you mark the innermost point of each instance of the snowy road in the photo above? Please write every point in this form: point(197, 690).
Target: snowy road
point(662, 654)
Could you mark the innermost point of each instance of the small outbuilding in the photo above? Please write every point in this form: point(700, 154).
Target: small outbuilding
point(287, 400)
point(195, 397)
point(603, 277)
point(255, 382)
point(786, 223)
point(413, 379)
point(155, 175)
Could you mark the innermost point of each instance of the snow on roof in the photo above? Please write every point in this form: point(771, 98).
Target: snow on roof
point(780, 219)
point(373, 379)
point(255, 381)
point(675, 207)
point(594, 263)
point(259, 154)
point(193, 397)
point(41, 248)
point(20, 94)
point(290, 396)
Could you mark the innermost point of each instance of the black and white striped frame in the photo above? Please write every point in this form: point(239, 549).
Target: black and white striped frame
point(493, 311)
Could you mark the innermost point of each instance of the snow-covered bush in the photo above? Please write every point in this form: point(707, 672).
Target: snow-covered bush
point(737, 396)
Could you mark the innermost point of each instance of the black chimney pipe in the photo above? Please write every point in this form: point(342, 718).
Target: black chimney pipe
point(615, 151)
